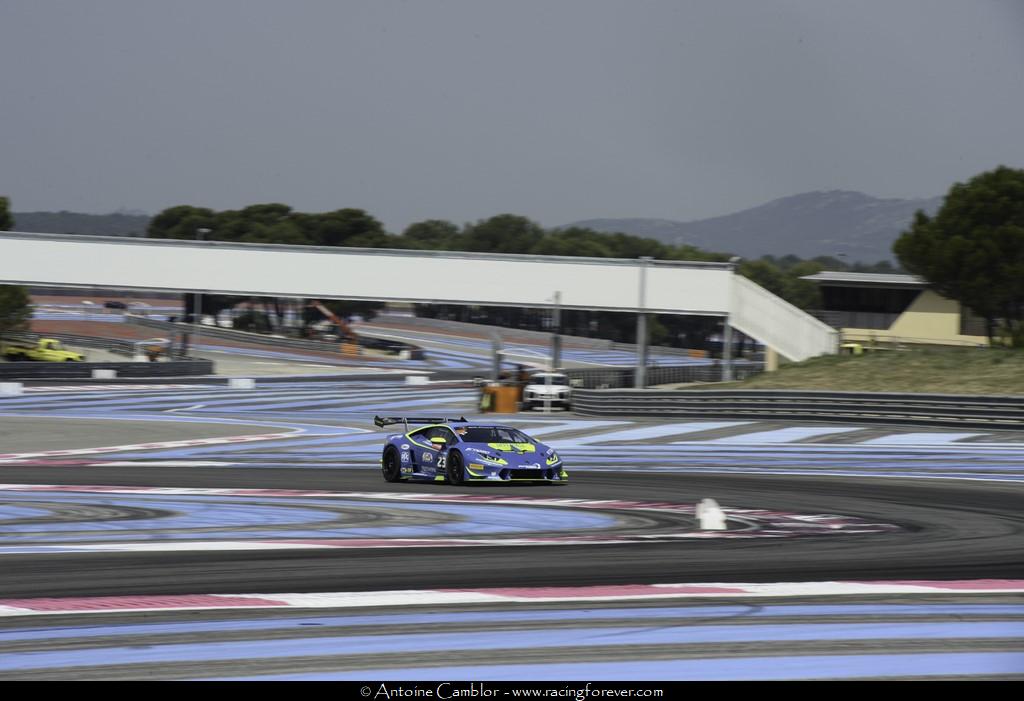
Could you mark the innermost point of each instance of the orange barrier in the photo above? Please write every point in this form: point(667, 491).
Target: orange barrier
point(500, 399)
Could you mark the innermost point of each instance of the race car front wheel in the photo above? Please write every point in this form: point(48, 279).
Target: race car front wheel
point(453, 469)
point(389, 466)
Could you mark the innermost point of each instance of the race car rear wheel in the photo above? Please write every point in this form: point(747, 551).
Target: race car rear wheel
point(389, 466)
point(453, 469)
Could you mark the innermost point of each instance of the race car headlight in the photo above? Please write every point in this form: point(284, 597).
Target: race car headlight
point(491, 459)
point(553, 459)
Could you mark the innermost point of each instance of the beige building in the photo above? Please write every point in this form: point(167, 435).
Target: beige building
point(873, 308)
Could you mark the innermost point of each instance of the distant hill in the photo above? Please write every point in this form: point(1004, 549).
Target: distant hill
point(811, 224)
point(807, 225)
point(119, 224)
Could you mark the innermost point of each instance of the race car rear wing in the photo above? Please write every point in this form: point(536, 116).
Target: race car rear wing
point(382, 421)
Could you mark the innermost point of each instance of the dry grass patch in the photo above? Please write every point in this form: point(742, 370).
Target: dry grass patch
point(932, 371)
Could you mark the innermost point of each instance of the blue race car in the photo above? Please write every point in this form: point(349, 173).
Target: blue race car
point(458, 451)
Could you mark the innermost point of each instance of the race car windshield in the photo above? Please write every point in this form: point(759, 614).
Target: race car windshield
point(491, 434)
point(560, 380)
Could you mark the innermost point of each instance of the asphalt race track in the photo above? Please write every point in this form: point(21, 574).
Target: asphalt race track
point(141, 570)
point(949, 531)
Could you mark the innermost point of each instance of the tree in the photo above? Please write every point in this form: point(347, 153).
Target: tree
point(432, 235)
point(575, 241)
point(628, 246)
point(342, 227)
point(6, 220)
point(972, 250)
point(180, 222)
point(766, 274)
point(271, 223)
point(15, 309)
point(504, 233)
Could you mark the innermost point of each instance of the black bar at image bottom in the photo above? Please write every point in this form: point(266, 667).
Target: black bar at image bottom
point(374, 690)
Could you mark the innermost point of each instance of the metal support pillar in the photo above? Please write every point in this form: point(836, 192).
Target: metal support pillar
point(197, 307)
point(726, 351)
point(641, 327)
point(496, 357)
point(641, 351)
point(556, 340)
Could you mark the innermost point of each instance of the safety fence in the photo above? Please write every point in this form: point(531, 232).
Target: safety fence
point(967, 411)
point(610, 378)
point(48, 371)
point(112, 345)
point(380, 344)
point(509, 335)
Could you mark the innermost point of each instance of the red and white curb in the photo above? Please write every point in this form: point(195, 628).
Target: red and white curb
point(442, 597)
point(19, 457)
point(745, 523)
point(116, 463)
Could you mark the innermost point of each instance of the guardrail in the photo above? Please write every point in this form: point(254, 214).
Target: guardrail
point(507, 334)
point(395, 347)
point(47, 371)
point(610, 378)
point(108, 344)
point(872, 341)
point(660, 350)
point(511, 336)
point(946, 410)
point(113, 345)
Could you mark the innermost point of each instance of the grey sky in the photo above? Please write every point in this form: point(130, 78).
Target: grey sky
point(461, 109)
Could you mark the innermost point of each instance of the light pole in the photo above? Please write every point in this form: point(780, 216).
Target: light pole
point(197, 315)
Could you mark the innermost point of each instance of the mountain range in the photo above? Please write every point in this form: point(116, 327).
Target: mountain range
point(837, 223)
point(117, 224)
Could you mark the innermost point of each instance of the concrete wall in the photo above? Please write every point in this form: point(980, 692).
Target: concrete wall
point(792, 332)
point(931, 319)
point(372, 274)
point(656, 287)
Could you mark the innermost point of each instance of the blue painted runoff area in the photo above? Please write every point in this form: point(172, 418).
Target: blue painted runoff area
point(193, 517)
point(781, 668)
point(498, 640)
point(725, 612)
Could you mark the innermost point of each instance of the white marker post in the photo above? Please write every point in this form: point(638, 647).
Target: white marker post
point(10, 389)
point(710, 515)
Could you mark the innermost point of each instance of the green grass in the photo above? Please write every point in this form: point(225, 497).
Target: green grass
point(932, 371)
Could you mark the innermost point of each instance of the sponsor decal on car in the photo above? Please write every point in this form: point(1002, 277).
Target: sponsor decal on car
point(428, 457)
point(521, 447)
point(405, 456)
point(405, 446)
